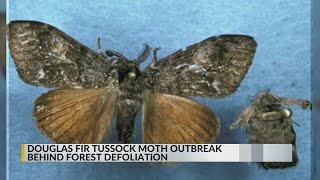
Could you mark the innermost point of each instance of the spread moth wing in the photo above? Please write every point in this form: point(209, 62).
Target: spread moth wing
point(45, 56)
point(169, 119)
point(81, 116)
point(213, 67)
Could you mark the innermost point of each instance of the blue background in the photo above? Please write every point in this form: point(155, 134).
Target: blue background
point(2, 105)
point(282, 64)
point(2, 6)
point(315, 74)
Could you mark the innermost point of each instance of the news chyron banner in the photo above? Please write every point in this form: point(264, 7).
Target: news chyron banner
point(156, 152)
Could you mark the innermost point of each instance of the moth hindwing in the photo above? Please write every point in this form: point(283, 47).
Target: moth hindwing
point(91, 87)
point(269, 122)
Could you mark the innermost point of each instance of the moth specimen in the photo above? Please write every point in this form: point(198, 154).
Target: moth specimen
point(92, 87)
point(269, 122)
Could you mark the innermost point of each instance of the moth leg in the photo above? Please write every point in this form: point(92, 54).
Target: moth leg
point(142, 57)
point(304, 104)
point(243, 118)
point(235, 123)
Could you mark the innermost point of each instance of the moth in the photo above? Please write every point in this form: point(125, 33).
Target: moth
point(92, 88)
point(269, 122)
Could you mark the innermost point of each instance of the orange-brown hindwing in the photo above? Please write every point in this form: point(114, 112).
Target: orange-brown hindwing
point(169, 119)
point(80, 116)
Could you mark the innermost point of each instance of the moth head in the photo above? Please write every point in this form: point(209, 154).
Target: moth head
point(128, 71)
point(265, 98)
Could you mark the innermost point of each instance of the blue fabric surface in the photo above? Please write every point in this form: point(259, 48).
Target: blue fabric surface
point(315, 73)
point(2, 5)
point(2, 126)
point(282, 64)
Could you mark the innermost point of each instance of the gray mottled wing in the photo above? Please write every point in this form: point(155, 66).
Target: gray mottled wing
point(213, 67)
point(45, 56)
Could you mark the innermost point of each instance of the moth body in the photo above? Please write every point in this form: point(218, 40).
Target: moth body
point(128, 101)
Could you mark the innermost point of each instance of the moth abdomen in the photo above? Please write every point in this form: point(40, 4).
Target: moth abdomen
point(127, 109)
point(276, 131)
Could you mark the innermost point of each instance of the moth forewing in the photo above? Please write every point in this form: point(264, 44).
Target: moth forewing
point(75, 115)
point(269, 122)
point(213, 67)
point(45, 56)
point(169, 119)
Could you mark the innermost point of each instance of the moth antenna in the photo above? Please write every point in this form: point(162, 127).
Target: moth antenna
point(243, 118)
point(114, 53)
point(142, 57)
point(153, 64)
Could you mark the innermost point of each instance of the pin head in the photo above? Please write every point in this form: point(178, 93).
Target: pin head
point(132, 75)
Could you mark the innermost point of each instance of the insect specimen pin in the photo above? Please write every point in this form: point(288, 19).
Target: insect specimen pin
point(268, 122)
point(90, 87)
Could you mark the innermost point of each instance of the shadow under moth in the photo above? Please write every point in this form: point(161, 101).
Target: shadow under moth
point(92, 88)
point(269, 122)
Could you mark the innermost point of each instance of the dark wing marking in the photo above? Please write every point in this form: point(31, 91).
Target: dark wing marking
point(169, 119)
point(45, 56)
point(211, 68)
point(81, 116)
